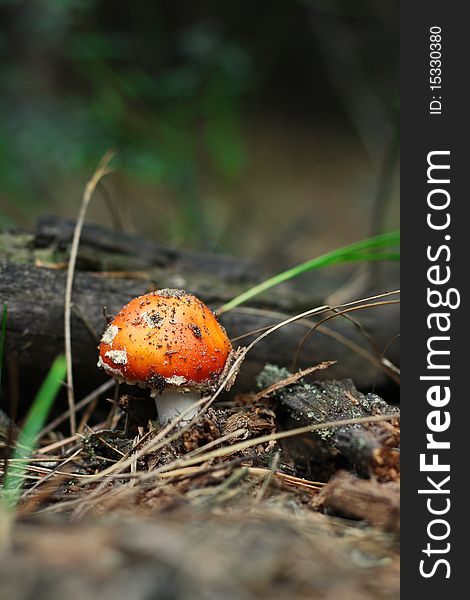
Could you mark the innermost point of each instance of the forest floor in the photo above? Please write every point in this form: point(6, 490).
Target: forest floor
point(222, 509)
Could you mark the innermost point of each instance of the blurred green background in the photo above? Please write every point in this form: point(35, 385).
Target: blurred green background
point(264, 129)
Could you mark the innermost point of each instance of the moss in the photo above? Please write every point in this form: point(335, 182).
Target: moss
point(16, 247)
point(271, 374)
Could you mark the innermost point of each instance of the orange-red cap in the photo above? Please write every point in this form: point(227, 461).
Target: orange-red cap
point(167, 337)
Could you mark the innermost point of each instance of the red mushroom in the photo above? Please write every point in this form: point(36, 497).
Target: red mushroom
point(168, 341)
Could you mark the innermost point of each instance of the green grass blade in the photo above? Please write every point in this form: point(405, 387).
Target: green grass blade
point(359, 251)
point(34, 423)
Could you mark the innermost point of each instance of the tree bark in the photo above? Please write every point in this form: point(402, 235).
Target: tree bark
point(372, 449)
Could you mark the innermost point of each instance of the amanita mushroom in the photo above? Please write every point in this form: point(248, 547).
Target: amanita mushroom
point(170, 342)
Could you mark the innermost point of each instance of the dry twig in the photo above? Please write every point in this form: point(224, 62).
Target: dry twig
point(100, 172)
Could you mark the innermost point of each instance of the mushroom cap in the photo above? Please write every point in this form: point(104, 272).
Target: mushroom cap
point(165, 338)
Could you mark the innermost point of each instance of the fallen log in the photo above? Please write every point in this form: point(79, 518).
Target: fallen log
point(113, 267)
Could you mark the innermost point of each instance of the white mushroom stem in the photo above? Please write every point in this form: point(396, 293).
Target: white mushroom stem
point(171, 403)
